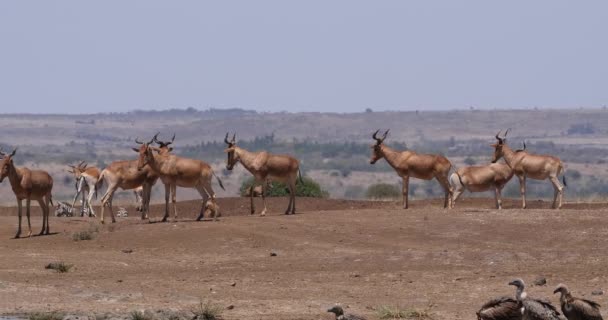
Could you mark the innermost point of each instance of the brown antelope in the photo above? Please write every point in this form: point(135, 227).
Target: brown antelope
point(411, 164)
point(176, 171)
point(255, 191)
point(526, 165)
point(29, 185)
point(266, 167)
point(86, 183)
point(481, 178)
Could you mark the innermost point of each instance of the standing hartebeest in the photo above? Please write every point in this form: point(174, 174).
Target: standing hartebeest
point(411, 164)
point(479, 179)
point(526, 165)
point(266, 167)
point(176, 171)
point(29, 185)
point(86, 182)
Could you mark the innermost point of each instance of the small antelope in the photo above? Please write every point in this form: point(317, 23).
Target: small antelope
point(411, 164)
point(29, 185)
point(538, 167)
point(266, 167)
point(212, 209)
point(255, 191)
point(86, 183)
point(177, 171)
point(481, 178)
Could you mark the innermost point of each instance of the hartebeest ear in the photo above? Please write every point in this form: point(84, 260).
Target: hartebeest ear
point(228, 150)
point(135, 149)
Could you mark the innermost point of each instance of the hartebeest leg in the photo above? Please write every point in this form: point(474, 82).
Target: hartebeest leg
point(448, 190)
point(146, 194)
point(167, 193)
point(43, 209)
point(174, 200)
point(498, 197)
point(558, 192)
point(252, 205)
point(202, 190)
point(263, 213)
point(522, 190)
point(405, 191)
point(47, 206)
point(19, 207)
point(292, 198)
point(84, 203)
point(106, 200)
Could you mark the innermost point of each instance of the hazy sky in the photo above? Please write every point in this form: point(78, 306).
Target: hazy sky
point(85, 56)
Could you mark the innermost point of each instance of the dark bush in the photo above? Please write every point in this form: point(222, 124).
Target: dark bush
point(309, 188)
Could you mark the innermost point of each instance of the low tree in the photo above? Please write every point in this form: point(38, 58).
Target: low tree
point(306, 188)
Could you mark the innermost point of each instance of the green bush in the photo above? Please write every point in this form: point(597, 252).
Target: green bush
point(309, 188)
point(382, 191)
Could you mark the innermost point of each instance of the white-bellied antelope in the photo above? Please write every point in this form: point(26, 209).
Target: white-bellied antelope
point(86, 183)
point(526, 165)
point(266, 167)
point(409, 164)
point(481, 178)
point(29, 185)
point(177, 171)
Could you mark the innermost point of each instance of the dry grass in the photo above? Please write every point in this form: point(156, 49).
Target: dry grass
point(207, 311)
point(60, 267)
point(390, 312)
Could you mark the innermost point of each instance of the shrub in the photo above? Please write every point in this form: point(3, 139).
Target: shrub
point(207, 311)
point(309, 188)
point(388, 312)
point(45, 316)
point(59, 267)
point(382, 191)
point(469, 161)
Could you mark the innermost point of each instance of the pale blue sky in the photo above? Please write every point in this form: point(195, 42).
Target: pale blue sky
point(85, 56)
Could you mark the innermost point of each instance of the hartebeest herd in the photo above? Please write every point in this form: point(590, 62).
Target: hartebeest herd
point(158, 162)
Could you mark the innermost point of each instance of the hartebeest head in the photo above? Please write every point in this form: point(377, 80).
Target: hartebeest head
point(145, 152)
point(230, 150)
point(5, 163)
point(376, 148)
point(498, 146)
point(165, 144)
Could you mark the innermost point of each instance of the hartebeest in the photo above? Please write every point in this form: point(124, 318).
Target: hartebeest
point(266, 167)
point(481, 178)
point(176, 171)
point(411, 164)
point(86, 183)
point(526, 165)
point(29, 185)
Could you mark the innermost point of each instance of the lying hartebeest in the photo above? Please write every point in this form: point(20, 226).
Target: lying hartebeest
point(176, 171)
point(29, 185)
point(411, 164)
point(86, 183)
point(481, 178)
point(266, 167)
point(526, 165)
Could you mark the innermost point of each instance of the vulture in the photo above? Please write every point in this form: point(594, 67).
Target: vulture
point(339, 312)
point(533, 309)
point(576, 308)
point(503, 308)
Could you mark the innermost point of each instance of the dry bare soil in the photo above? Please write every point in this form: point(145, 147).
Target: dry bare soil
point(360, 254)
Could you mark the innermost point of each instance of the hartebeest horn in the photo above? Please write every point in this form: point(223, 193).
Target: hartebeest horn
point(13, 153)
point(137, 141)
point(154, 138)
point(498, 137)
point(380, 140)
point(505, 136)
point(234, 138)
point(164, 143)
point(226, 138)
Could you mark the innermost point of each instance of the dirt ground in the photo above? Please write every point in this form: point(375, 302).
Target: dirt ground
point(362, 255)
